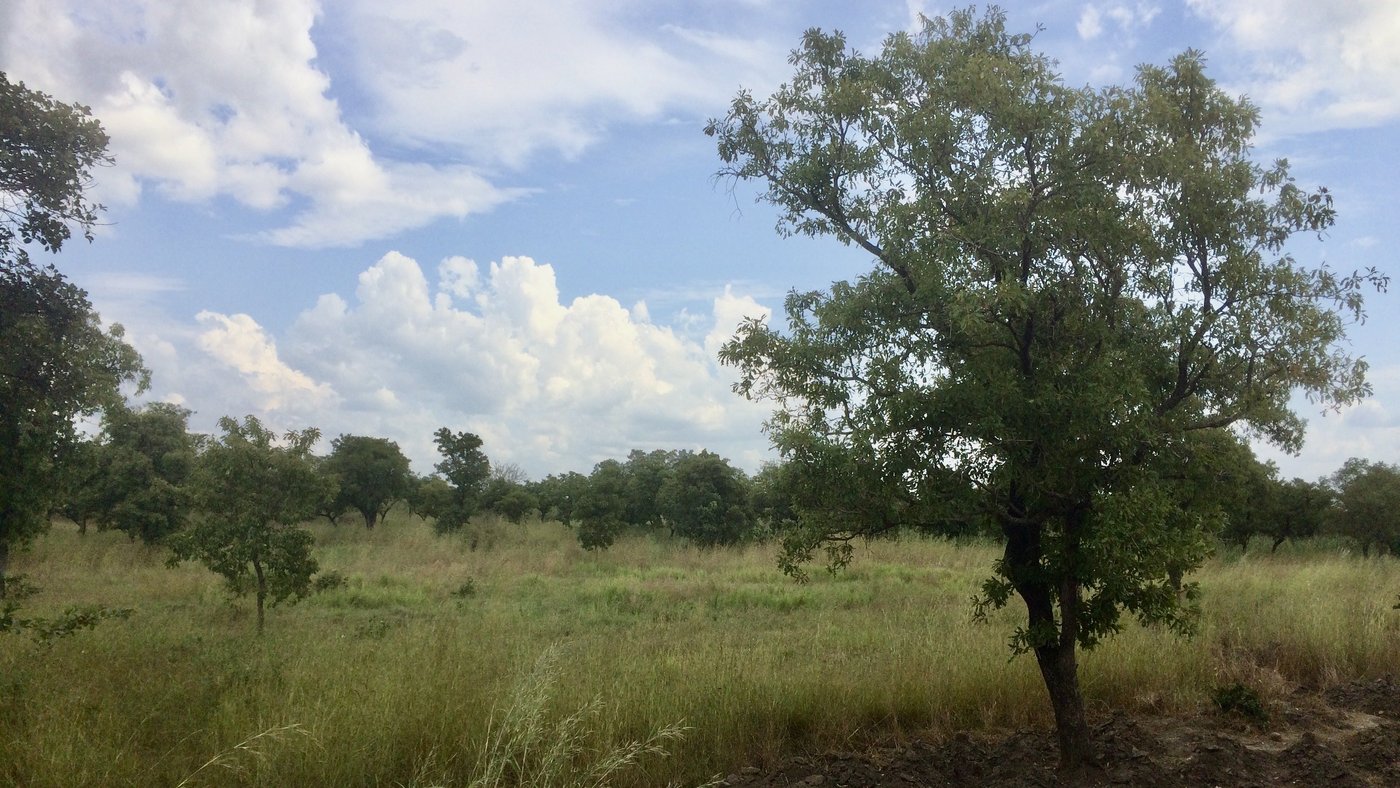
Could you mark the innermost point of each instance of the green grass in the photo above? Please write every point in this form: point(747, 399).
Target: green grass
point(399, 678)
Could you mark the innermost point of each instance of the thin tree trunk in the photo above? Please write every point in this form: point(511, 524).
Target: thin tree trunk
point(371, 517)
point(4, 564)
point(262, 590)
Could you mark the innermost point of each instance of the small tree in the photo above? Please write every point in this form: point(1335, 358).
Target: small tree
point(558, 495)
point(372, 474)
point(467, 470)
point(250, 493)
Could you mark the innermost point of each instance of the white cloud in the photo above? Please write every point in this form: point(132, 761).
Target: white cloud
point(1316, 65)
point(225, 99)
point(1127, 18)
point(551, 386)
point(1090, 23)
point(504, 81)
point(1366, 429)
point(240, 343)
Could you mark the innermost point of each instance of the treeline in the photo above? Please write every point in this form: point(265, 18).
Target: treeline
point(140, 475)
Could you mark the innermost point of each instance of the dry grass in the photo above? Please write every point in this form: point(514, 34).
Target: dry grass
point(402, 675)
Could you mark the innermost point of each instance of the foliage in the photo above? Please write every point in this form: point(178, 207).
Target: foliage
point(510, 499)
point(250, 492)
point(601, 508)
point(467, 470)
point(1368, 504)
point(57, 363)
point(430, 497)
point(1068, 282)
point(372, 475)
point(706, 500)
point(1301, 511)
point(558, 495)
point(1240, 699)
point(144, 464)
point(47, 153)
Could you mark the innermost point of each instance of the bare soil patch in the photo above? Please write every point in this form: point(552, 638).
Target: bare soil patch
point(1347, 735)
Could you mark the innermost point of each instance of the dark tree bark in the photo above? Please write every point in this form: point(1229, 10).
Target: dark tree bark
point(262, 590)
point(1056, 657)
point(4, 564)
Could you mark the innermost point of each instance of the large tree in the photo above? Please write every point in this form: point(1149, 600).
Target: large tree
point(372, 474)
point(1067, 283)
point(251, 490)
point(57, 362)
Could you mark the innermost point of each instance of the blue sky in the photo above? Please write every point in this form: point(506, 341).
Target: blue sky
point(382, 218)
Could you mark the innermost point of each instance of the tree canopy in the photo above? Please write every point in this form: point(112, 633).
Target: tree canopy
point(57, 362)
point(1067, 283)
point(372, 474)
point(250, 491)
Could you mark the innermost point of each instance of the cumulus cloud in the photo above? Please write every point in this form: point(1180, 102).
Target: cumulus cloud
point(236, 98)
point(548, 385)
point(490, 348)
point(225, 99)
point(1316, 65)
point(240, 343)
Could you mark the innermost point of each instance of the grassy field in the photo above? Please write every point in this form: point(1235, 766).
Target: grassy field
point(402, 675)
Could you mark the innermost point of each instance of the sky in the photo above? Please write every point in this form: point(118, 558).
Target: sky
point(501, 217)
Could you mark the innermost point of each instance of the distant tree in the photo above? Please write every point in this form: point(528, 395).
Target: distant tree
point(372, 474)
point(646, 473)
point(1301, 511)
point(706, 500)
point(251, 491)
point(430, 497)
point(57, 363)
point(467, 470)
point(80, 480)
point(509, 472)
point(1368, 504)
point(559, 494)
point(509, 494)
point(145, 461)
point(1066, 282)
point(600, 511)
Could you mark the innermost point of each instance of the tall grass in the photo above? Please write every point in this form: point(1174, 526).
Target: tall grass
point(404, 674)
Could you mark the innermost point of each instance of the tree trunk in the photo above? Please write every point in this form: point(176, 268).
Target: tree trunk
point(4, 564)
point(371, 517)
point(1060, 669)
point(1278, 540)
point(1057, 658)
point(262, 590)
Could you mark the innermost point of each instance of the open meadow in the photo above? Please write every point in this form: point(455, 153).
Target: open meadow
point(403, 673)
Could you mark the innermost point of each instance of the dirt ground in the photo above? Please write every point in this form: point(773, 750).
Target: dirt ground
point(1348, 735)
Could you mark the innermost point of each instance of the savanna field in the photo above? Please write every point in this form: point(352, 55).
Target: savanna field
point(431, 663)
